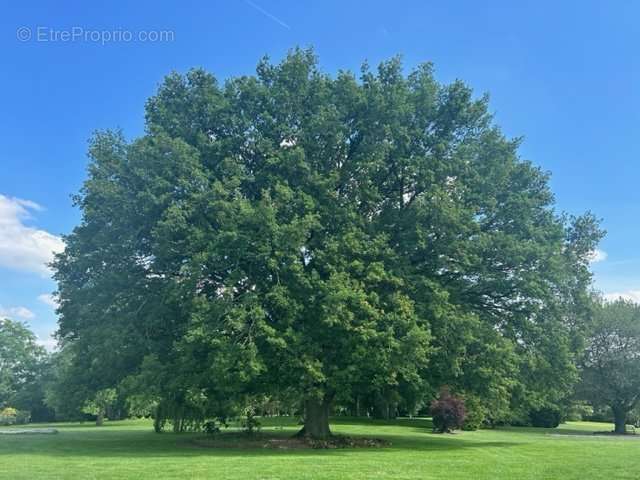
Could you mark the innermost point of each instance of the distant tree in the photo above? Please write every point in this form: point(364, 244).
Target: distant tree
point(23, 365)
point(611, 363)
point(32, 396)
point(447, 411)
point(12, 416)
point(336, 237)
point(100, 404)
point(67, 388)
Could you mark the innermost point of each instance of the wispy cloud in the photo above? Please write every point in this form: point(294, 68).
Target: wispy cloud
point(23, 247)
point(598, 256)
point(16, 312)
point(267, 14)
point(49, 343)
point(48, 299)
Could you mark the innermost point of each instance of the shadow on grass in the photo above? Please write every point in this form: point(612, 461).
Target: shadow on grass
point(595, 434)
point(420, 422)
point(131, 442)
point(561, 430)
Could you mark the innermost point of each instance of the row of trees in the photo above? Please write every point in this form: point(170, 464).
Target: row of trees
point(38, 386)
point(324, 242)
point(24, 368)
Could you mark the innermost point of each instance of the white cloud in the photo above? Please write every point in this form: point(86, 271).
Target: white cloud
point(598, 256)
point(632, 295)
point(48, 343)
point(23, 247)
point(49, 299)
point(16, 312)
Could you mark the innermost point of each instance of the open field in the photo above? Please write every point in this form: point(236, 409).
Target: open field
point(130, 450)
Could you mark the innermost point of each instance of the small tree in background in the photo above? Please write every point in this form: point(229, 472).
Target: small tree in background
point(11, 416)
point(611, 364)
point(100, 404)
point(447, 411)
point(475, 413)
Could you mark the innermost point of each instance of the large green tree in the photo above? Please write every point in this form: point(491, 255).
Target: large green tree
point(328, 236)
point(611, 363)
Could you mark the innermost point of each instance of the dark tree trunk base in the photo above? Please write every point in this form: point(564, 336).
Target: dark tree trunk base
point(620, 420)
point(316, 420)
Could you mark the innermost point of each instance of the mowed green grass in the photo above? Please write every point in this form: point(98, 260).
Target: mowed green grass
point(130, 450)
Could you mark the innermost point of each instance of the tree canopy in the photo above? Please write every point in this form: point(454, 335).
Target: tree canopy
point(327, 238)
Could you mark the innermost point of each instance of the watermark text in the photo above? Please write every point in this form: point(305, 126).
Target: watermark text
point(79, 34)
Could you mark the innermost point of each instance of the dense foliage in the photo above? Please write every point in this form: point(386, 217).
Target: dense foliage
point(339, 241)
point(11, 416)
point(100, 404)
point(23, 371)
point(611, 363)
point(447, 411)
point(545, 417)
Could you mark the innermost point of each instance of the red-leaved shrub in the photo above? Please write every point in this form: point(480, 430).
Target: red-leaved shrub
point(447, 411)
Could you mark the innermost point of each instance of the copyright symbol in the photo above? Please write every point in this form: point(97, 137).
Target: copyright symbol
point(23, 34)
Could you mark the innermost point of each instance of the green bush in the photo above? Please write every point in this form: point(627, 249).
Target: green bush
point(211, 427)
point(11, 416)
point(545, 417)
point(475, 413)
point(600, 414)
point(579, 411)
point(249, 423)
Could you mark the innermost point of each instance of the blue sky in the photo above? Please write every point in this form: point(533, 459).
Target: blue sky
point(564, 75)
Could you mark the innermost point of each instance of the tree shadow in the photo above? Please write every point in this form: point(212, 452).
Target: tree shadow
point(594, 434)
point(131, 443)
point(562, 430)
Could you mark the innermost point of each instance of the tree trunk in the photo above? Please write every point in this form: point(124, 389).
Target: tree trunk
point(178, 424)
point(381, 408)
point(620, 419)
point(99, 419)
point(316, 419)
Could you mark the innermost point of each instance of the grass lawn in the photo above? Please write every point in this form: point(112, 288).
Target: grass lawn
point(130, 450)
